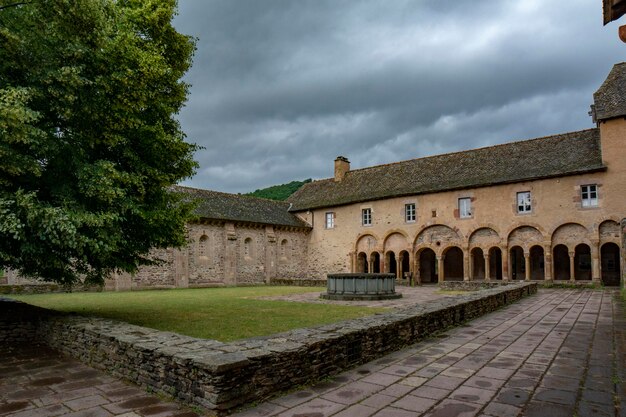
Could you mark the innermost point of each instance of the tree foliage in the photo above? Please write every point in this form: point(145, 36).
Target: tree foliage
point(279, 192)
point(89, 142)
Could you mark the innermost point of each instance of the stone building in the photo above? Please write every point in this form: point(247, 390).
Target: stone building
point(552, 208)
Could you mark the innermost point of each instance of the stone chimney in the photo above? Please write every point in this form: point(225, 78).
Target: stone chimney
point(342, 165)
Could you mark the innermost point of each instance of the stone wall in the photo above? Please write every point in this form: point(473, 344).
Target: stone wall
point(223, 253)
point(224, 376)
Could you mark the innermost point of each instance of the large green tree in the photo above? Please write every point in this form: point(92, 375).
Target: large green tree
point(89, 142)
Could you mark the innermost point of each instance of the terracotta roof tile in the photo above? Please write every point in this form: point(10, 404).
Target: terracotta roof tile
point(552, 156)
point(234, 207)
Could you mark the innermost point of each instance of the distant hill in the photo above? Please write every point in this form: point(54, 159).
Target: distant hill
point(279, 192)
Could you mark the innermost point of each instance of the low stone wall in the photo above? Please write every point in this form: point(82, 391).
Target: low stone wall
point(472, 285)
point(224, 376)
point(298, 282)
point(46, 288)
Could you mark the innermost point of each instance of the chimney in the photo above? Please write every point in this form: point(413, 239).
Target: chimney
point(342, 166)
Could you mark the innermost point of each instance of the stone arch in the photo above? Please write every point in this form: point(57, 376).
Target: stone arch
point(495, 263)
point(362, 264)
point(284, 249)
point(396, 241)
point(484, 237)
point(560, 262)
point(525, 236)
point(453, 264)
point(427, 267)
point(366, 242)
point(391, 262)
point(610, 264)
point(582, 262)
point(202, 254)
point(519, 225)
point(517, 263)
point(609, 231)
point(537, 263)
point(438, 237)
point(570, 235)
point(477, 263)
point(248, 248)
point(375, 262)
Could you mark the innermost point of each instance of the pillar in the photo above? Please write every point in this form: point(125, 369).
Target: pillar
point(572, 271)
point(487, 267)
point(527, 266)
point(466, 259)
point(596, 275)
point(440, 276)
point(505, 263)
point(399, 271)
point(370, 264)
point(418, 277)
point(471, 268)
point(547, 262)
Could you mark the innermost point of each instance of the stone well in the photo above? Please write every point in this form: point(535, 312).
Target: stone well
point(360, 286)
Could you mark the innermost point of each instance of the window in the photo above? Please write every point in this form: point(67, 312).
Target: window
point(409, 212)
point(465, 208)
point(589, 195)
point(523, 202)
point(330, 220)
point(366, 217)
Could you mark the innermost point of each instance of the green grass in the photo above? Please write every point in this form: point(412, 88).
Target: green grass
point(223, 314)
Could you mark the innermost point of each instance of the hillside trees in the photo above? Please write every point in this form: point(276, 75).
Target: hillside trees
point(89, 142)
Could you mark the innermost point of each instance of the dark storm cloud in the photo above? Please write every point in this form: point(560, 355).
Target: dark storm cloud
point(280, 88)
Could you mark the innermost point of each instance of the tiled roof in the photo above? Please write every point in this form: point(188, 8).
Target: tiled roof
point(610, 99)
point(552, 156)
point(234, 207)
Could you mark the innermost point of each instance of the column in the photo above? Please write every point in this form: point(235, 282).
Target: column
point(418, 277)
point(466, 269)
point(411, 268)
point(547, 262)
point(505, 263)
point(370, 264)
point(572, 271)
point(487, 267)
point(399, 270)
point(440, 260)
point(527, 266)
point(596, 275)
point(471, 266)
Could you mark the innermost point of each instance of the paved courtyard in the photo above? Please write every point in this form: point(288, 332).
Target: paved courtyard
point(559, 353)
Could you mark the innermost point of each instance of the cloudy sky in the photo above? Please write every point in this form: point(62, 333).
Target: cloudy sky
point(282, 87)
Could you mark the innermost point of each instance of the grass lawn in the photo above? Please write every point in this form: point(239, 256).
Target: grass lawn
point(223, 314)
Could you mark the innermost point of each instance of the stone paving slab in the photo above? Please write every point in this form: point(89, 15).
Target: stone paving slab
point(558, 353)
point(38, 382)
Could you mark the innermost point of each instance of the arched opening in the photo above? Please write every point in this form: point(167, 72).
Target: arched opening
point(283, 249)
point(203, 250)
point(560, 261)
point(375, 257)
point(247, 248)
point(610, 263)
point(537, 263)
point(428, 266)
point(478, 264)
point(582, 262)
point(453, 264)
point(391, 265)
point(361, 262)
point(495, 263)
point(518, 264)
point(405, 265)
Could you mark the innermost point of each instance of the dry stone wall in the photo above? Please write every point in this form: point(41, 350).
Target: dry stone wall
point(224, 376)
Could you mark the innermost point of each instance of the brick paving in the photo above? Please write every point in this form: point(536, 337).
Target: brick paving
point(38, 382)
point(559, 353)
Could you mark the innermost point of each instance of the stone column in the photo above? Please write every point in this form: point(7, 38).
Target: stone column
point(596, 275)
point(527, 266)
point(471, 266)
point(547, 263)
point(270, 254)
point(572, 271)
point(417, 275)
point(466, 269)
point(399, 270)
point(370, 264)
point(230, 254)
point(487, 267)
point(353, 262)
point(505, 263)
point(440, 264)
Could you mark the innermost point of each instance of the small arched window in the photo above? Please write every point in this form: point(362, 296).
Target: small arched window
point(247, 248)
point(203, 250)
point(284, 246)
